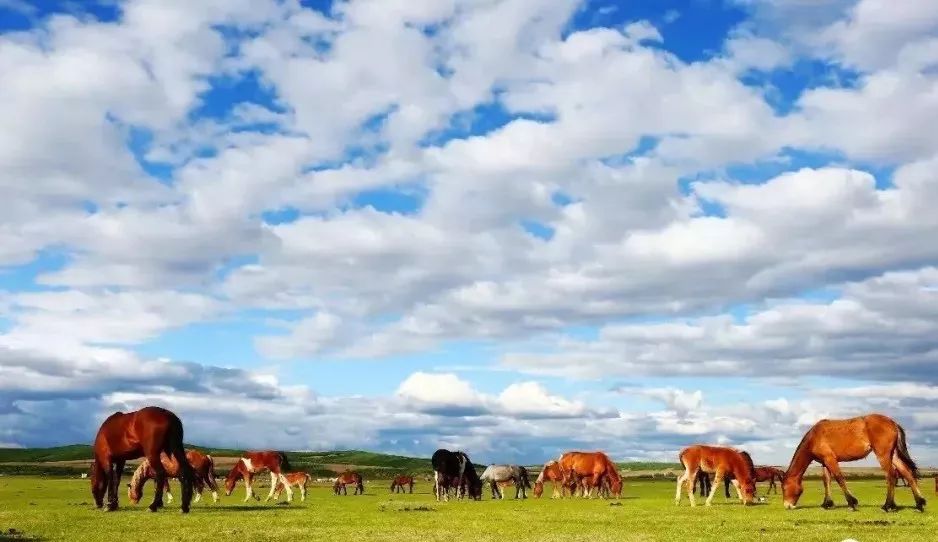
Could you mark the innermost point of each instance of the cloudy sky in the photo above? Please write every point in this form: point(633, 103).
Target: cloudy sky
point(510, 226)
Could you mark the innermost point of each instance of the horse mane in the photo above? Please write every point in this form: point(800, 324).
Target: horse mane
point(749, 463)
point(139, 478)
point(801, 444)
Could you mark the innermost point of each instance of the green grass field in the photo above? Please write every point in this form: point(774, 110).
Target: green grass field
point(60, 509)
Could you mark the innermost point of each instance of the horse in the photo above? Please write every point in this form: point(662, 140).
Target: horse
point(203, 468)
point(299, 479)
point(348, 477)
point(588, 469)
point(770, 475)
point(720, 461)
point(147, 432)
point(830, 441)
point(495, 474)
point(551, 472)
point(252, 463)
point(454, 469)
point(398, 483)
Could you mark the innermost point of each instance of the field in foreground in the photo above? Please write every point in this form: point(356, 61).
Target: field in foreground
point(33, 508)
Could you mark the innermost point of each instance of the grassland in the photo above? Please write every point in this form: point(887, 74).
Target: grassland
point(60, 509)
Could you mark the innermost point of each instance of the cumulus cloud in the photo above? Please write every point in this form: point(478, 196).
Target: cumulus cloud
point(577, 199)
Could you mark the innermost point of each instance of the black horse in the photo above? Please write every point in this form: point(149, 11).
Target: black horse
point(454, 469)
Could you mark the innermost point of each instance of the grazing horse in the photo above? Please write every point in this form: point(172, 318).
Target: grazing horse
point(589, 469)
point(517, 475)
point(398, 483)
point(770, 475)
point(346, 478)
point(147, 432)
point(551, 472)
point(252, 463)
point(831, 441)
point(719, 461)
point(299, 479)
point(203, 468)
point(454, 469)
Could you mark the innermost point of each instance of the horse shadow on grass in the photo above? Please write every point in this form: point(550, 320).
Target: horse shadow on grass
point(10, 535)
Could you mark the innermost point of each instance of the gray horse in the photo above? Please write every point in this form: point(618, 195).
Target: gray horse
point(496, 474)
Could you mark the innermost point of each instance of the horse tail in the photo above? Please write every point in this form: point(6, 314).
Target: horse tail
point(285, 463)
point(903, 450)
point(525, 479)
point(178, 452)
point(210, 473)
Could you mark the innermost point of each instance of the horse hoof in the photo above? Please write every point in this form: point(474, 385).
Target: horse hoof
point(185, 510)
point(153, 508)
point(827, 505)
point(920, 504)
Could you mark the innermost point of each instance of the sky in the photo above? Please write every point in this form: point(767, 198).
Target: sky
point(513, 227)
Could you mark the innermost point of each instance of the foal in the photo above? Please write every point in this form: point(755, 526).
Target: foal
point(721, 462)
point(298, 479)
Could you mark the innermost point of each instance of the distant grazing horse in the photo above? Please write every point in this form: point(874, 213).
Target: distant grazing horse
point(148, 432)
point(203, 468)
point(398, 483)
point(719, 461)
point(346, 478)
point(770, 475)
point(551, 472)
point(517, 475)
point(454, 469)
point(252, 463)
point(831, 441)
point(589, 469)
point(299, 479)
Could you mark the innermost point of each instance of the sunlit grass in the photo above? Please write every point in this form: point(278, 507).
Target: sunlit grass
point(58, 509)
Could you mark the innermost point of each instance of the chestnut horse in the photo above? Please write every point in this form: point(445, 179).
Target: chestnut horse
point(252, 463)
point(147, 432)
point(830, 441)
point(203, 467)
point(719, 461)
point(398, 483)
point(299, 479)
point(590, 469)
point(551, 472)
point(346, 478)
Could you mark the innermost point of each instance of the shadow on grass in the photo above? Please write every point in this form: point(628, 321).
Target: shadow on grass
point(248, 507)
point(13, 534)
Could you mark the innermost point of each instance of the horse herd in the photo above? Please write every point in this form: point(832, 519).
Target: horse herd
point(156, 435)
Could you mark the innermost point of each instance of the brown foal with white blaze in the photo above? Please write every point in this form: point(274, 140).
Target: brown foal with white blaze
point(830, 441)
point(298, 479)
point(721, 462)
point(252, 463)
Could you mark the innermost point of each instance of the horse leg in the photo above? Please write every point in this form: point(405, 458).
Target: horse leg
point(717, 478)
point(115, 469)
point(910, 480)
point(885, 461)
point(248, 487)
point(680, 486)
point(286, 486)
point(828, 502)
point(834, 468)
point(169, 493)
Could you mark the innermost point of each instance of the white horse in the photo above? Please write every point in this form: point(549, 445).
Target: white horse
point(502, 474)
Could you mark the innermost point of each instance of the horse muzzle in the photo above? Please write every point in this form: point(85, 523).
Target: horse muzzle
point(790, 505)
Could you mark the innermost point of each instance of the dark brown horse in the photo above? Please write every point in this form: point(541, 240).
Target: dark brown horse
point(252, 463)
point(398, 483)
point(720, 461)
point(203, 468)
point(830, 441)
point(346, 478)
point(147, 433)
point(770, 475)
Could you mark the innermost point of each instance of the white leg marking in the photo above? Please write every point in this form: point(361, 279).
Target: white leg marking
point(286, 484)
point(214, 496)
point(273, 484)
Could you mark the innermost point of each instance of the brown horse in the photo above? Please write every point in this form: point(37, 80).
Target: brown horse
point(770, 475)
point(554, 474)
point(398, 483)
point(830, 441)
point(299, 479)
point(203, 468)
point(147, 432)
point(589, 469)
point(719, 461)
point(252, 463)
point(346, 478)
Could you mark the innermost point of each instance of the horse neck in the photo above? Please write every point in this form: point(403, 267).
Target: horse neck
point(140, 477)
point(236, 472)
point(801, 459)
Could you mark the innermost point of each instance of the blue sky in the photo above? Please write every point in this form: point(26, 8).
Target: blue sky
point(623, 225)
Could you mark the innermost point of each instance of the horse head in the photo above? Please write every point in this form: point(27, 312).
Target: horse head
point(234, 475)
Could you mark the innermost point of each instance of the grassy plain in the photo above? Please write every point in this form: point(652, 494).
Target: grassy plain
point(45, 508)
